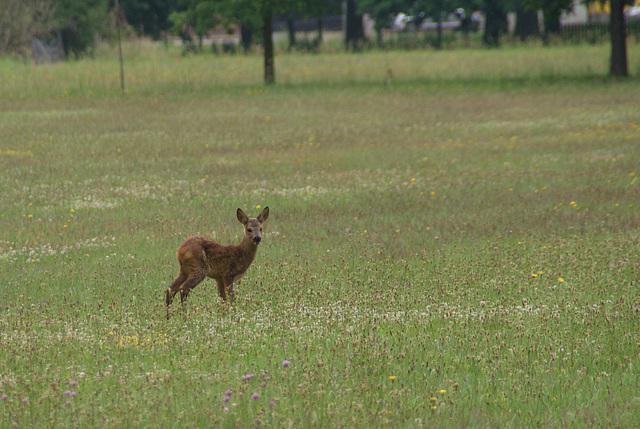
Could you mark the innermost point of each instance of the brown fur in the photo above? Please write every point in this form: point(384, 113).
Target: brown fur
point(201, 257)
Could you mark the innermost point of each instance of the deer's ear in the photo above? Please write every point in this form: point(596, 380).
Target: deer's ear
point(242, 217)
point(263, 215)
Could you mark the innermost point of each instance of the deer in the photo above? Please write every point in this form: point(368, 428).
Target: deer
point(200, 257)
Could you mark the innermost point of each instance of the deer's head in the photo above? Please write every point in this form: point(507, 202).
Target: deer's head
point(253, 227)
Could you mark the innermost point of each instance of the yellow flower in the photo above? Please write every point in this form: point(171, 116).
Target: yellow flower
point(534, 275)
point(433, 408)
point(442, 392)
point(392, 377)
point(432, 400)
point(257, 207)
point(73, 211)
point(560, 279)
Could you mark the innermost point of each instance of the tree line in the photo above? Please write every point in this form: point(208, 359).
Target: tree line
point(78, 23)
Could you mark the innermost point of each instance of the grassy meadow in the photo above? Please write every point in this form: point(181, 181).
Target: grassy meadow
point(458, 250)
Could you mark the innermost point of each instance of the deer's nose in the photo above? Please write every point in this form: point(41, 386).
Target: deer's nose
point(257, 240)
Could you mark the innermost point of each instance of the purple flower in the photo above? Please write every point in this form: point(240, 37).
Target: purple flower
point(73, 383)
point(25, 400)
point(264, 383)
point(66, 404)
point(4, 397)
point(285, 363)
point(248, 377)
point(225, 399)
point(67, 393)
point(255, 396)
point(228, 393)
point(271, 403)
point(73, 393)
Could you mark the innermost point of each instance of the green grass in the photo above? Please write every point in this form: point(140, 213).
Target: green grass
point(460, 250)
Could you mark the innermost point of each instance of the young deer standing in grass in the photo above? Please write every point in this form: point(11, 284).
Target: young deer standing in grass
point(200, 257)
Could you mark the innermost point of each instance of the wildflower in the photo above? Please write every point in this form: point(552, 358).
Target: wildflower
point(392, 377)
point(560, 279)
point(73, 383)
point(432, 399)
point(271, 403)
point(263, 384)
point(25, 400)
point(413, 180)
point(225, 409)
point(285, 363)
point(255, 396)
point(258, 207)
point(66, 404)
point(442, 392)
point(225, 399)
point(67, 393)
point(433, 408)
point(228, 393)
point(456, 385)
point(73, 211)
point(4, 397)
point(248, 377)
point(534, 275)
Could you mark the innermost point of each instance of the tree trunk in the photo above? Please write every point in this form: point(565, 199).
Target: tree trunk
point(551, 18)
point(246, 36)
point(439, 33)
point(526, 24)
point(267, 35)
point(495, 23)
point(618, 40)
point(354, 30)
point(291, 29)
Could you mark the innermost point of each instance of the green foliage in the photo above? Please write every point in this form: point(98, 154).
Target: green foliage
point(456, 251)
point(149, 17)
point(80, 22)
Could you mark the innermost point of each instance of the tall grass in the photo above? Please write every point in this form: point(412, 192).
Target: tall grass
point(459, 250)
point(153, 69)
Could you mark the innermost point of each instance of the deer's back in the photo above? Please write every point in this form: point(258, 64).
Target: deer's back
point(206, 255)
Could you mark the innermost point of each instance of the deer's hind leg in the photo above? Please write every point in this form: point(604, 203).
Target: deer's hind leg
point(192, 281)
point(175, 286)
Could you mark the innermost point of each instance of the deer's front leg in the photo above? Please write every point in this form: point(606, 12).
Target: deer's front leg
point(229, 289)
point(221, 290)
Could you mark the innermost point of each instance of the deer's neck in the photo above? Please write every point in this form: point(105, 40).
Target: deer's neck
point(248, 250)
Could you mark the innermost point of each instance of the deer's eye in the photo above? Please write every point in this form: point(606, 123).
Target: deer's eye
point(249, 230)
point(260, 229)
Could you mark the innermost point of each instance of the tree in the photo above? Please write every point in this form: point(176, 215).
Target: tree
point(150, 17)
point(21, 21)
point(382, 12)
point(80, 22)
point(353, 21)
point(526, 21)
point(247, 10)
point(618, 66)
point(495, 21)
